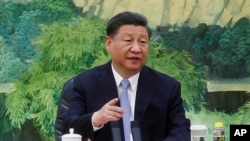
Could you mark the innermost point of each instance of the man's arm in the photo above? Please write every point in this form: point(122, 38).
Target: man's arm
point(83, 120)
point(178, 124)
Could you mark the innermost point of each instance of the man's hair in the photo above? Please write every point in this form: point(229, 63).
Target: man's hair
point(126, 18)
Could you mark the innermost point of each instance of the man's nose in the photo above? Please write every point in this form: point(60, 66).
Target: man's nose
point(136, 47)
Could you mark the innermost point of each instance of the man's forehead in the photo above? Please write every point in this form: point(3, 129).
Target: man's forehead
point(133, 29)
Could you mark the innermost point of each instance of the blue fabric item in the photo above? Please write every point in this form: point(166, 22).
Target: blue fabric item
point(126, 107)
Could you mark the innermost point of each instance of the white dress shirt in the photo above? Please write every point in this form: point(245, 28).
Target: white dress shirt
point(131, 91)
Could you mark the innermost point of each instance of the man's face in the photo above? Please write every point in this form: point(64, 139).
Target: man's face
point(128, 49)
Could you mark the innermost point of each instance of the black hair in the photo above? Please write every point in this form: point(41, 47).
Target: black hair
point(126, 18)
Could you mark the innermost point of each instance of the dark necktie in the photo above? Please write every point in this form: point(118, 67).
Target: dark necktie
point(125, 104)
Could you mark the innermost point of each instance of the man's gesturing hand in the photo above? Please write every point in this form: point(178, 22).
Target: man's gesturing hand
point(109, 112)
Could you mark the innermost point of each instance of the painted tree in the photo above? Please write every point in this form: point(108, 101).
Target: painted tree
point(65, 51)
point(233, 52)
point(19, 25)
point(11, 66)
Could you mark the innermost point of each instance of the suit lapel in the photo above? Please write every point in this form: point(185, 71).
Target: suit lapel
point(144, 94)
point(144, 89)
point(106, 82)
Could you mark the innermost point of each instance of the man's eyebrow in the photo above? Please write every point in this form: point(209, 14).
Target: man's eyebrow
point(128, 33)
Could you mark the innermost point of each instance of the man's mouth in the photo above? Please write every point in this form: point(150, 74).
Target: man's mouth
point(134, 58)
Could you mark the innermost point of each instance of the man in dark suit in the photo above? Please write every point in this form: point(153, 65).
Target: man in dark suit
point(154, 98)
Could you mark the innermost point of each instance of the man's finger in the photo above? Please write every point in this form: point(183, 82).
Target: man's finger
point(113, 101)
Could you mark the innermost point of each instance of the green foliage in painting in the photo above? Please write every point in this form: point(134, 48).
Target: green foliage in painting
point(218, 48)
point(25, 30)
point(243, 114)
point(11, 66)
point(16, 48)
point(178, 64)
point(5, 124)
point(9, 13)
point(205, 45)
point(65, 51)
point(233, 52)
point(53, 10)
point(19, 25)
point(173, 40)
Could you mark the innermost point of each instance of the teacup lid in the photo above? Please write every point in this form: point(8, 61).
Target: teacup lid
point(198, 127)
point(71, 134)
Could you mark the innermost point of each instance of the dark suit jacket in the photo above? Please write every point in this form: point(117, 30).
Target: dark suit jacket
point(158, 106)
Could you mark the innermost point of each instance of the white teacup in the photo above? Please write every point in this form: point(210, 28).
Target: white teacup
point(71, 136)
point(198, 132)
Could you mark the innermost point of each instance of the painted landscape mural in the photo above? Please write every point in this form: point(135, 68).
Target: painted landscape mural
point(205, 44)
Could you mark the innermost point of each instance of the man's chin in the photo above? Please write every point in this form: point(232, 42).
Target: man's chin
point(134, 68)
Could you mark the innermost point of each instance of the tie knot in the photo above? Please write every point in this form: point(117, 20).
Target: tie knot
point(125, 83)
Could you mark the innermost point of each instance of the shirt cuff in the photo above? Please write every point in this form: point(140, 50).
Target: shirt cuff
point(95, 128)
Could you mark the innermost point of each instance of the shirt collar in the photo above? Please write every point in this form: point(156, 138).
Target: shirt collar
point(133, 79)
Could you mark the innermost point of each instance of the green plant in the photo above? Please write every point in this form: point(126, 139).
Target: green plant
point(65, 51)
point(9, 13)
point(178, 64)
point(11, 66)
point(232, 54)
point(204, 46)
point(54, 10)
point(5, 127)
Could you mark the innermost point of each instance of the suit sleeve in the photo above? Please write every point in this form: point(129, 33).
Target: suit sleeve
point(178, 124)
point(77, 116)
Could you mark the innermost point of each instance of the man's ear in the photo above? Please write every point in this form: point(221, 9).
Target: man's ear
point(108, 42)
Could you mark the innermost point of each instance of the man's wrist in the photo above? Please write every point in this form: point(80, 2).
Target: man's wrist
point(95, 126)
point(94, 121)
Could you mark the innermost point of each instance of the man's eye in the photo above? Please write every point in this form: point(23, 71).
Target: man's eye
point(142, 41)
point(128, 40)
